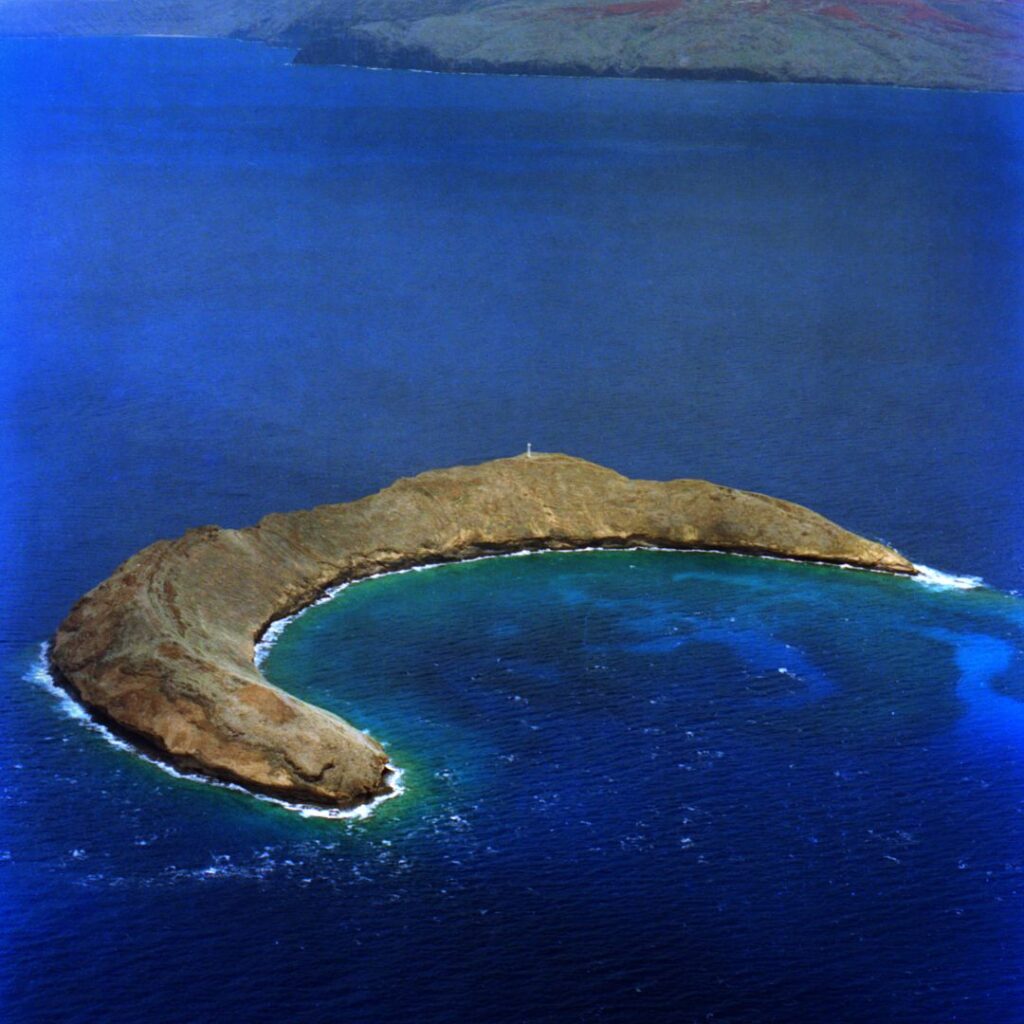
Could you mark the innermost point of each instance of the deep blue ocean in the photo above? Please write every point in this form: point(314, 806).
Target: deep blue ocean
point(638, 786)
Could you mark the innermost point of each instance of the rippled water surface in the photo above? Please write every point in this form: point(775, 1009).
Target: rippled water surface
point(639, 786)
point(645, 785)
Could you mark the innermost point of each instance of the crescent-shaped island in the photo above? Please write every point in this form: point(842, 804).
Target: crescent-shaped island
point(162, 651)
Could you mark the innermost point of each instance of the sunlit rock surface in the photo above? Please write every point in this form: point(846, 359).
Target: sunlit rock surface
point(163, 649)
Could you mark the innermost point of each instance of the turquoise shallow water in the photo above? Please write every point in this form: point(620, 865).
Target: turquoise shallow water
point(229, 287)
point(717, 785)
point(637, 786)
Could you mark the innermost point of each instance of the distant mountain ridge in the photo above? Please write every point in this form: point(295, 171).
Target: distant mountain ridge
point(965, 44)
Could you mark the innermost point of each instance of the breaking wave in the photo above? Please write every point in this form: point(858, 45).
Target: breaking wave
point(40, 675)
point(938, 580)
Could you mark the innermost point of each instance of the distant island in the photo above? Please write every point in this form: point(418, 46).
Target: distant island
point(162, 651)
point(956, 44)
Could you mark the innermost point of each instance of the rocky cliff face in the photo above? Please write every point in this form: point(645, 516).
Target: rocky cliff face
point(163, 649)
point(973, 44)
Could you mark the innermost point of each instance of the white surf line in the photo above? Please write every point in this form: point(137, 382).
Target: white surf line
point(272, 632)
point(40, 675)
point(935, 579)
point(926, 576)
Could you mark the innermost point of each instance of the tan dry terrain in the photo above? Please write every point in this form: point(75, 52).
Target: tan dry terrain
point(163, 649)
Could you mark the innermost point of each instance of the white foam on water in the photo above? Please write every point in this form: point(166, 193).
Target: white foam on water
point(272, 633)
point(40, 675)
point(270, 637)
point(935, 579)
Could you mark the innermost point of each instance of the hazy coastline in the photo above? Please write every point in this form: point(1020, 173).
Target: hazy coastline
point(905, 43)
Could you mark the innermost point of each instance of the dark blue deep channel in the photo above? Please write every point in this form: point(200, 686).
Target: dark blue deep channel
point(644, 787)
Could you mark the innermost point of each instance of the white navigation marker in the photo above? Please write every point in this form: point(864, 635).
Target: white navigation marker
point(529, 450)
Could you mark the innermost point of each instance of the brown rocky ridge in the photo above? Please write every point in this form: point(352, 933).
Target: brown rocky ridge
point(163, 649)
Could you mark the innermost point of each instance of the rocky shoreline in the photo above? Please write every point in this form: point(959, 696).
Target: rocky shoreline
point(357, 53)
point(953, 44)
point(162, 651)
point(388, 51)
